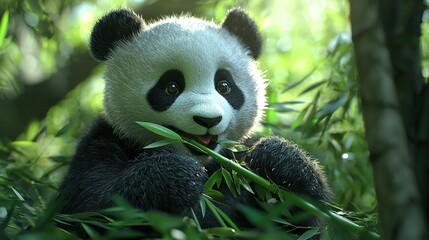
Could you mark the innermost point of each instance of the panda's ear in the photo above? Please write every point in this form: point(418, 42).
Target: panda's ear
point(116, 26)
point(242, 26)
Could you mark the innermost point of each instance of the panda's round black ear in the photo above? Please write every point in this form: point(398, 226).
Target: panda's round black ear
point(118, 25)
point(242, 26)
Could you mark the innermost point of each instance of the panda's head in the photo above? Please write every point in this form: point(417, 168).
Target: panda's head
point(185, 73)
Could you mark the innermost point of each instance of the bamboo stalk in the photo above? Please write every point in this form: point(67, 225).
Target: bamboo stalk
point(399, 205)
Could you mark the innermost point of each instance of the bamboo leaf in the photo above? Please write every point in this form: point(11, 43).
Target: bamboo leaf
point(237, 181)
point(60, 159)
point(215, 177)
point(163, 222)
point(227, 219)
point(20, 197)
point(233, 145)
point(313, 86)
point(203, 207)
point(298, 120)
point(91, 232)
point(221, 231)
point(3, 27)
point(229, 182)
point(194, 217)
point(214, 210)
point(309, 234)
point(332, 106)
point(63, 130)
point(297, 83)
point(161, 143)
point(160, 130)
point(246, 185)
point(214, 193)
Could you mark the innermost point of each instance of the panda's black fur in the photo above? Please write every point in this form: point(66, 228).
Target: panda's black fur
point(142, 86)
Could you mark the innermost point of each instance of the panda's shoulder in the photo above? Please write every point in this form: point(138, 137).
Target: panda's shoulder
point(100, 129)
point(101, 135)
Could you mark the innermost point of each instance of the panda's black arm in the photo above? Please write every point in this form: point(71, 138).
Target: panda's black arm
point(287, 165)
point(105, 165)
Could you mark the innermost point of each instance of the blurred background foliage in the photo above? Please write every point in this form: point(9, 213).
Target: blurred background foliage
point(51, 90)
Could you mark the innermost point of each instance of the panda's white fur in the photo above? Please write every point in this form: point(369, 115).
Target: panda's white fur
point(198, 49)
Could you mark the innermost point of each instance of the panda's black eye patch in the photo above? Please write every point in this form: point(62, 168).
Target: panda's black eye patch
point(169, 86)
point(225, 85)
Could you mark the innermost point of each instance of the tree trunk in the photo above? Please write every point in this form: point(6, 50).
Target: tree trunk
point(400, 208)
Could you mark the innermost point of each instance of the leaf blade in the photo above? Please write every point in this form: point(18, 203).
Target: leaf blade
point(160, 130)
point(3, 26)
point(161, 143)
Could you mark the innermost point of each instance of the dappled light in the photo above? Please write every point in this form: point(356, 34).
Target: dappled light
point(51, 91)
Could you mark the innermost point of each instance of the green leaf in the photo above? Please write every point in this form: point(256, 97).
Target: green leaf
point(63, 130)
point(18, 194)
point(308, 234)
point(298, 120)
point(332, 106)
point(194, 216)
point(60, 159)
point(203, 207)
point(227, 219)
point(221, 231)
point(237, 181)
point(214, 193)
point(229, 182)
point(23, 144)
point(253, 215)
point(3, 26)
point(282, 109)
point(313, 86)
point(161, 143)
point(246, 185)
point(233, 145)
point(91, 232)
point(160, 130)
point(215, 177)
point(215, 212)
point(164, 222)
point(281, 221)
point(297, 83)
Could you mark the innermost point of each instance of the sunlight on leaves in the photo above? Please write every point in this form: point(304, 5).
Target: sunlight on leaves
point(3, 26)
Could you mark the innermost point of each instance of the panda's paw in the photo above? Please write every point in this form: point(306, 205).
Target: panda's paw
point(165, 180)
point(287, 165)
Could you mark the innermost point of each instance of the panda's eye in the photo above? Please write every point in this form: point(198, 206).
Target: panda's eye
point(172, 89)
point(223, 87)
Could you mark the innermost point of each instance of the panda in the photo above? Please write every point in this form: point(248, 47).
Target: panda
point(194, 77)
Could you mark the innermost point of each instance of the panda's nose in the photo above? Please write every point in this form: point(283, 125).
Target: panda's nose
point(207, 122)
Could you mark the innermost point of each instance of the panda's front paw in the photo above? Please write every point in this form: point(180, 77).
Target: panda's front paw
point(287, 165)
point(164, 180)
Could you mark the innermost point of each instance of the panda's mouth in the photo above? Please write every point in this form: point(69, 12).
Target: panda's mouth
point(208, 140)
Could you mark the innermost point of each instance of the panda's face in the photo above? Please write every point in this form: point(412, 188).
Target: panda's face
point(187, 74)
